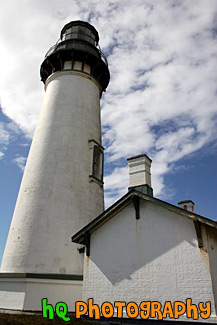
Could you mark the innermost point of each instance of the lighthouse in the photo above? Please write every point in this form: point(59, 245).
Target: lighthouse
point(62, 185)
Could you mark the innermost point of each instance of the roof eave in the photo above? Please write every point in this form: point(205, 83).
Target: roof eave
point(79, 237)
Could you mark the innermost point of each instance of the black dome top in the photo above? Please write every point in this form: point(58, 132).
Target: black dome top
point(79, 29)
point(78, 42)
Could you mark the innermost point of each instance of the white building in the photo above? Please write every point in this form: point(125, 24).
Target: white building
point(144, 249)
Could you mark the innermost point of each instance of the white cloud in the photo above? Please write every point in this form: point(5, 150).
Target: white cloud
point(20, 162)
point(162, 57)
point(4, 139)
point(4, 135)
point(9, 133)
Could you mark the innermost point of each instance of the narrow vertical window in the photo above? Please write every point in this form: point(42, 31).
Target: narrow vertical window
point(97, 161)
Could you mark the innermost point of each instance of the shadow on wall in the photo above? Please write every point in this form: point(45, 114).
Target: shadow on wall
point(161, 242)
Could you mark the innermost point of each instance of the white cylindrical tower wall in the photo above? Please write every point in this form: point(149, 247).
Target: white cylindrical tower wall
point(57, 195)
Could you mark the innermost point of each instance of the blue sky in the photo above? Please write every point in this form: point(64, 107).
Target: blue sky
point(161, 99)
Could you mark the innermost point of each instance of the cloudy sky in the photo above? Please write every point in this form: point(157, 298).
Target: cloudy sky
point(161, 100)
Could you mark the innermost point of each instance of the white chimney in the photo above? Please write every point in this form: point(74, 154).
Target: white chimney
point(140, 173)
point(187, 205)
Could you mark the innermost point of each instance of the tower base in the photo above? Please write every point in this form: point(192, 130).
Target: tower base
point(24, 291)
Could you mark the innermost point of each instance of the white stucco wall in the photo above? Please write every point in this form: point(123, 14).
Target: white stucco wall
point(56, 196)
point(26, 294)
point(155, 258)
point(211, 243)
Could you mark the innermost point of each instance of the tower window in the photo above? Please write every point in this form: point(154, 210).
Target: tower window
point(67, 65)
point(97, 161)
point(77, 65)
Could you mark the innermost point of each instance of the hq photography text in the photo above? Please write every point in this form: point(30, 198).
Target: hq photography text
point(120, 309)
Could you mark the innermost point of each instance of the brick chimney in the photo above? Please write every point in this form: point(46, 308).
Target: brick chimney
point(187, 205)
point(140, 173)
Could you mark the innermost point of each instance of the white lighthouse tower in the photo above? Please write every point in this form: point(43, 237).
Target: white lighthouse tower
point(62, 185)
